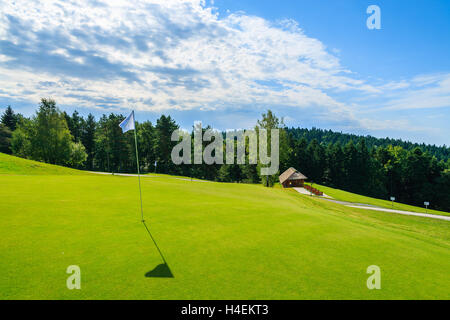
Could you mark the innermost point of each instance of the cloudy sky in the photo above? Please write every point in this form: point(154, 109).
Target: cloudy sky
point(315, 63)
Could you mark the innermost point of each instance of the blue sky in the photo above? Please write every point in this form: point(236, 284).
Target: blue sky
point(414, 38)
point(315, 63)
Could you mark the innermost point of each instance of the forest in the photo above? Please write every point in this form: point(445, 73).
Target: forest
point(376, 167)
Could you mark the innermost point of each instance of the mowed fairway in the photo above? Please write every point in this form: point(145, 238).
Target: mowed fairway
point(221, 241)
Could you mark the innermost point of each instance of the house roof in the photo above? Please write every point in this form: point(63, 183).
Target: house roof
point(291, 174)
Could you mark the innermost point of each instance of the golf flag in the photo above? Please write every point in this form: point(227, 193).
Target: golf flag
point(128, 123)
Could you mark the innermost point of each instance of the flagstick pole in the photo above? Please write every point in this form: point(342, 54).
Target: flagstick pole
point(137, 163)
point(139, 179)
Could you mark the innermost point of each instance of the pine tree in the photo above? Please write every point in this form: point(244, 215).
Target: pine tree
point(88, 140)
point(9, 119)
point(5, 139)
point(146, 140)
point(351, 163)
point(268, 122)
point(302, 159)
point(165, 125)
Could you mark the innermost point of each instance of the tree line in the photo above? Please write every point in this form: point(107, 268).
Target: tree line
point(369, 166)
point(329, 136)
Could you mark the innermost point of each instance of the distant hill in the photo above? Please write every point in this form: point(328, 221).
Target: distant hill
point(328, 136)
point(15, 165)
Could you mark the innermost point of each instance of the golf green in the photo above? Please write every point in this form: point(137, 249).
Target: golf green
point(221, 241)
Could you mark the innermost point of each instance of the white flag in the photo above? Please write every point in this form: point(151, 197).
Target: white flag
point(128, 123)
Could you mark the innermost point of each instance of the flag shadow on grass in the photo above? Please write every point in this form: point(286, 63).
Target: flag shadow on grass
point(160, 271)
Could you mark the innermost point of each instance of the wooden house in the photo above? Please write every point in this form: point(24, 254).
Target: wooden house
point(292, 178)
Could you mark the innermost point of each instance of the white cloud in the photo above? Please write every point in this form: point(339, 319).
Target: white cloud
point(421, 92)
point(161, 55)
point(176, 54)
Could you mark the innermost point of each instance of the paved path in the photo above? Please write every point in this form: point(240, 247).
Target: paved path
point(376, 208)
point(373, 207)
point(408, 213)
point(145, 176)
point(122, 174)
point(304, 191)
point(187, 179)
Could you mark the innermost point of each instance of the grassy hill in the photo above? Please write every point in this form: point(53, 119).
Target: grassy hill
point(221, 241)
point(18, 166)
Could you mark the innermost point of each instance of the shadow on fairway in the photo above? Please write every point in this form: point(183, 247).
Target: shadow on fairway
point(161, 271)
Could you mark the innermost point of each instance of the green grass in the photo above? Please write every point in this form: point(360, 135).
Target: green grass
point(18, 166)
point(221, 241)
point(356, 198)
